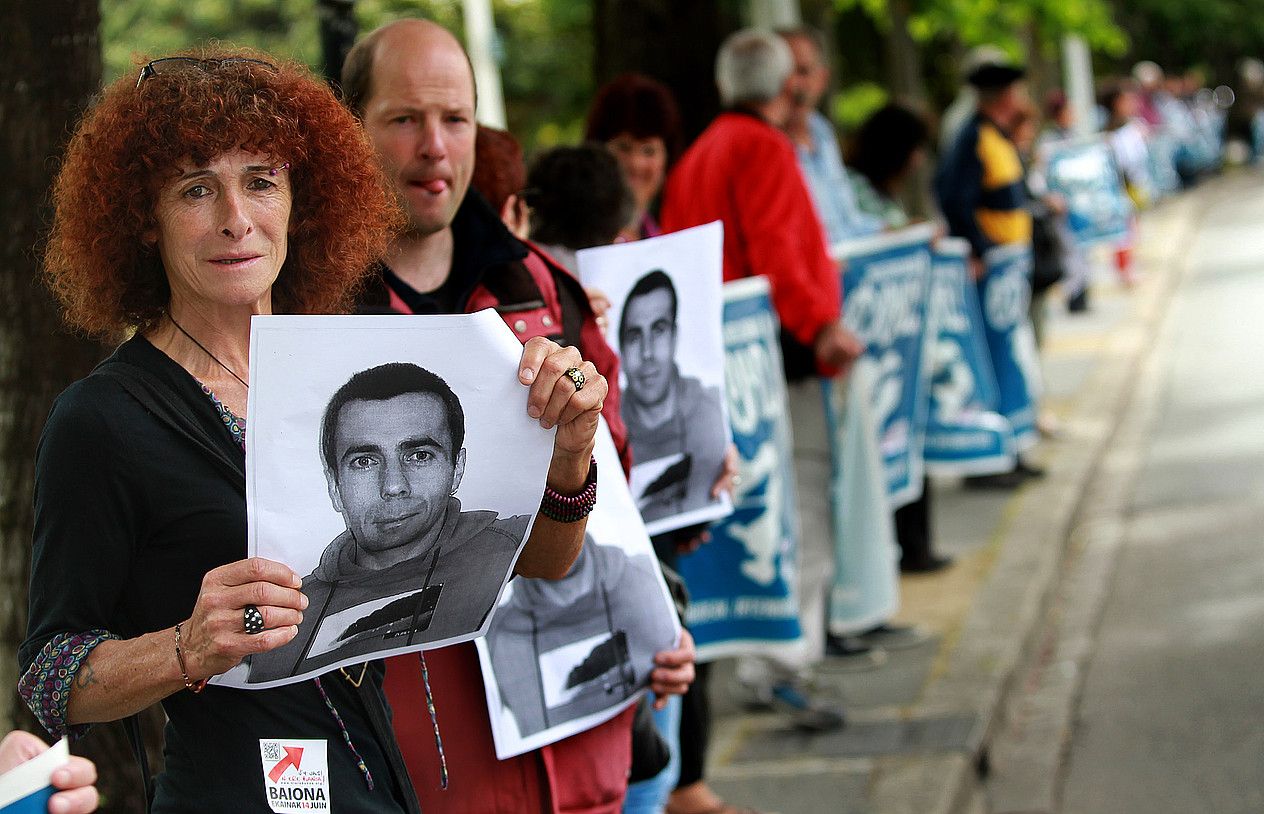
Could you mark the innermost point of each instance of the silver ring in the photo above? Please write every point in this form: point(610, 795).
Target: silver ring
point(577, 378)
point(252, 619)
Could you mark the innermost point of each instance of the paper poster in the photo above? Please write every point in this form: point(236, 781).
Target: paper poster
point(886, 280)
point(1005, 294)
point(866, 589)
point(562, 656)
point(964, 434)
point(1083, 172)
point(664, 320)
point(27, 787)
point(741, 584)
point(399, 478)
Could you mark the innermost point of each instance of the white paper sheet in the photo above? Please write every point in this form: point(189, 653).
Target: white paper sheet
point(562, 656)
point(405, 543)
point(671, 347)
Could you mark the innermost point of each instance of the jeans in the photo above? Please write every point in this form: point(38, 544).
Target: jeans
point(650, 796)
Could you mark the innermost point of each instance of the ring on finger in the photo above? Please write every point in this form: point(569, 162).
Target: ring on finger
point(577, 378)
point(252, 619)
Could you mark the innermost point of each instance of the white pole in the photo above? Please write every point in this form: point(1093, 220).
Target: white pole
point(480, 34)
point(770, 14)
point(1077, 66)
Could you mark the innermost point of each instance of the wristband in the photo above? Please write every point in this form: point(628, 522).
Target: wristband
point(189, 684)
point(571, 508)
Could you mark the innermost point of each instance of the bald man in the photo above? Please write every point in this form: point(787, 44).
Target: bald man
point(411, 84)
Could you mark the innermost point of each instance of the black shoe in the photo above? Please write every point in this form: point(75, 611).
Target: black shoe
point(807, 711)
point(846, 646)
point(1002, 480)
point(1079, 303)
point(895, 637)
point(1028, 470)
point(927, 566)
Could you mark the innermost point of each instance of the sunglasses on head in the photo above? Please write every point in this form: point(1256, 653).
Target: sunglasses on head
point(167, 64)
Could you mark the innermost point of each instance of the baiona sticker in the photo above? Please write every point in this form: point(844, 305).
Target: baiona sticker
point(295, 774)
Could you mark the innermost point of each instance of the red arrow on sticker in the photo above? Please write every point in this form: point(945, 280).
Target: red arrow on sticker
point(293, 757)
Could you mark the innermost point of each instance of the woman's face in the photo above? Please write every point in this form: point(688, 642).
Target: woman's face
point(222, 230)
point(644, 165)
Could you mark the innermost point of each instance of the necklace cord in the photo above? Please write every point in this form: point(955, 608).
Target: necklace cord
point(231, 372)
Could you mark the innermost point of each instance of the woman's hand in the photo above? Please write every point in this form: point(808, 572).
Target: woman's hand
point(554, 402)
point(674, 672)
point(215, 639)
point(75, 780)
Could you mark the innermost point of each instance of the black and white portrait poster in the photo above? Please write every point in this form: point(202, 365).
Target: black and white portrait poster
point(665, 320)
point(562, 656)
point(398, 477)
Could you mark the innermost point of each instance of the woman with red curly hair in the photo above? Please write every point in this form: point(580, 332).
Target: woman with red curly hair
point(211, 188)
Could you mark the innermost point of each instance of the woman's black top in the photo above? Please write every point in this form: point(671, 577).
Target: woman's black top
point(131, 512)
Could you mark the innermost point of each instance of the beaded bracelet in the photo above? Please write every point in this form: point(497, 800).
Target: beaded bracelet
point(189, 684)
point(571, 508)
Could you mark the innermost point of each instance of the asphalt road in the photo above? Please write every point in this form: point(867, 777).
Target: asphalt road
point(1171, 715)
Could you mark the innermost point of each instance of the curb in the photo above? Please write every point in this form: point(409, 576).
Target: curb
point(1002, 630)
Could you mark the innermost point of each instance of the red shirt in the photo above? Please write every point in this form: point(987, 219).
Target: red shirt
point(743, 171)
point(587, 772)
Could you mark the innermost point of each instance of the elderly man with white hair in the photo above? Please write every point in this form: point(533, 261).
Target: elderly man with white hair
point(742, 170)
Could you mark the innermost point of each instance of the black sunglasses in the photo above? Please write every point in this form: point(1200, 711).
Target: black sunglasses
point(167, 63)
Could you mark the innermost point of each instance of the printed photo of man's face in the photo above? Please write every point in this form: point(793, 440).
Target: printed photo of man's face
point(395, 468)
point(647, 343)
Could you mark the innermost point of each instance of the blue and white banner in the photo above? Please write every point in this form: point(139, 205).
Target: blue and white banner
point(741, 584)
point(1083, 172)
point(964, 434)
point(1005, 293)
point(886, 280)
point(866, 589)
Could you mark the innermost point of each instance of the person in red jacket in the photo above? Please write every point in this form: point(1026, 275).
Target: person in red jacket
point(411, 84)
point(742, 171)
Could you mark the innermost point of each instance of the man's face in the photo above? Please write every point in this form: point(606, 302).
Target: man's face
point(1013, 99)
point(810, 78)
point(395, 470)
point(647, 341)
point(420, 118)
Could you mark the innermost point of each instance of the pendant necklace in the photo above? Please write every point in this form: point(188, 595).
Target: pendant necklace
point(181, 329)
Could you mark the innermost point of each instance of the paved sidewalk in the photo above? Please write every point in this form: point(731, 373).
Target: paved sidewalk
point(920, 725)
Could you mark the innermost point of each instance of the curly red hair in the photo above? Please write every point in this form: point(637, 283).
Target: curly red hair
point(110, 280)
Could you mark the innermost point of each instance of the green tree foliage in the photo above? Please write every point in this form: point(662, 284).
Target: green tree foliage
point(1006, 23)
point(134, 31)
point(545, 46)
point(1179, 35)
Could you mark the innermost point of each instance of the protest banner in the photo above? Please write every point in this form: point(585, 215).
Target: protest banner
point(964, 434)
point(1005, 294)
point(866, 589)
point(563, 655)
point(401, 486)
point(885, 284)
point(741, 584)
point(664, 320)
point(1083, 172)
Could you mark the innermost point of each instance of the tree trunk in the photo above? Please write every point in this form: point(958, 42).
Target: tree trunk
point(904, 69)
point(904, 60)
point(674, 41)
point(50, 66)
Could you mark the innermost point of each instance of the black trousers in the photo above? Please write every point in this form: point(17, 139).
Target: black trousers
point(695, 728)
point(912, 530)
